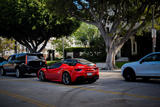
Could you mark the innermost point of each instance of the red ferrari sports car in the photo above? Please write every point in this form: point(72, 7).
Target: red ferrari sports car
point(69, 71)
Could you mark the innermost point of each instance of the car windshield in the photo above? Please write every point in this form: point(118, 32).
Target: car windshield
point(35, 57)
point(83, 61)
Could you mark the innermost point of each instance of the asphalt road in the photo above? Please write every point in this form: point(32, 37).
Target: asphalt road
point(109, 91)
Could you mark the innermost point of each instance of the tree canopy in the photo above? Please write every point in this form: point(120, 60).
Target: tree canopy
point(89, 36)
point(117, 20)
point(31, 24)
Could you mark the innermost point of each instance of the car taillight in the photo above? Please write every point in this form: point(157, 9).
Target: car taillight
point(78, 69)
point(26, 60)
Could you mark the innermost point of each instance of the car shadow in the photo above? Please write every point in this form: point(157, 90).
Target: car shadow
point(150, 81)
point(72, 84)
point(24, 76)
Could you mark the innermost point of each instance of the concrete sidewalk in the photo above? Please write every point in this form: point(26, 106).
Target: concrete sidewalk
point(116, 70)
point(101, 67)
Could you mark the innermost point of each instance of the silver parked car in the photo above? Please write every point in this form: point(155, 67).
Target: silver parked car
point(146, 68)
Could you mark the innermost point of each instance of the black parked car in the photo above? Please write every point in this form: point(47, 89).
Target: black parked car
point(23, 63)
point(2, 61)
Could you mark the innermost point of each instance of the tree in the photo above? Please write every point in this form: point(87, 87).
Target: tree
point(58, 44)
point(85, 33)
point(31, 24)
point(89, 36)
point(117, 20)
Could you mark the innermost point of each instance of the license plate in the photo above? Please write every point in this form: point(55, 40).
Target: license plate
point(89, 74)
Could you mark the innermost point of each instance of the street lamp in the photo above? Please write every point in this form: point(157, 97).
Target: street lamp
point(63, 46)
point(153, 33)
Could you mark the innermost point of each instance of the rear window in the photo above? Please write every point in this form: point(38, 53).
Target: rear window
point(35, 57)
point(85, 62)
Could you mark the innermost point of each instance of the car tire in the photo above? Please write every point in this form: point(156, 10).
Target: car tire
point(129, 75)
point(66, 78)
point(18, 73)
point(3, 72)
point(41, 76)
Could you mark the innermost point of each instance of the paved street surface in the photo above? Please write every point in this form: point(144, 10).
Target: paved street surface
point(109, 91)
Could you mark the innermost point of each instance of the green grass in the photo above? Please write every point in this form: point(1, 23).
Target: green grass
point(119, 64)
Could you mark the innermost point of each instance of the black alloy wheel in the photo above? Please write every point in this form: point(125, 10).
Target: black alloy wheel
point(66, 78)
point(3, 73)
point(42, 76)
point(129, 76)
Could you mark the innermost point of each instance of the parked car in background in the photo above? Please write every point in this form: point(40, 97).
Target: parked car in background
point(146, 68)
point(69, 71)
point(2, 61)
point(23, 63)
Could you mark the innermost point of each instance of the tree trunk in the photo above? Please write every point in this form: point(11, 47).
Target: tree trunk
point(112, 47)
point(32, 48)
point(44, 45)
point(111, 53)
point(110, 59)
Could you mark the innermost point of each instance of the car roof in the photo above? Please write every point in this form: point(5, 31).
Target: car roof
point(153, 53)
point(75, 59)
point(27, 54)
point(149, 55)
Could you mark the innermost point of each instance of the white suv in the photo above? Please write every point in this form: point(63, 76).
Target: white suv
point(146, 68)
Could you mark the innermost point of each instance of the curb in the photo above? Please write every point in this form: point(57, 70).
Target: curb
point(115, 71)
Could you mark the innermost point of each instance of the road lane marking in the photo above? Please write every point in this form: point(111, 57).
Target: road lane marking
point(122, 93)
point(108, 92)
point(26, 99)
point(97, 90)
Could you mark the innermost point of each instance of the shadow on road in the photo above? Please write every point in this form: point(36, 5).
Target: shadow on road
point(72, 84)
point(24, 76)
point(151, 81)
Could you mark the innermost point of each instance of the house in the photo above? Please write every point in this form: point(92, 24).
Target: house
point(135, 48)
point(139, 46)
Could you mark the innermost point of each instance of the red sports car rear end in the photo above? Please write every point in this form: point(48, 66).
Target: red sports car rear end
point(69, 71)
point(85, 73)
